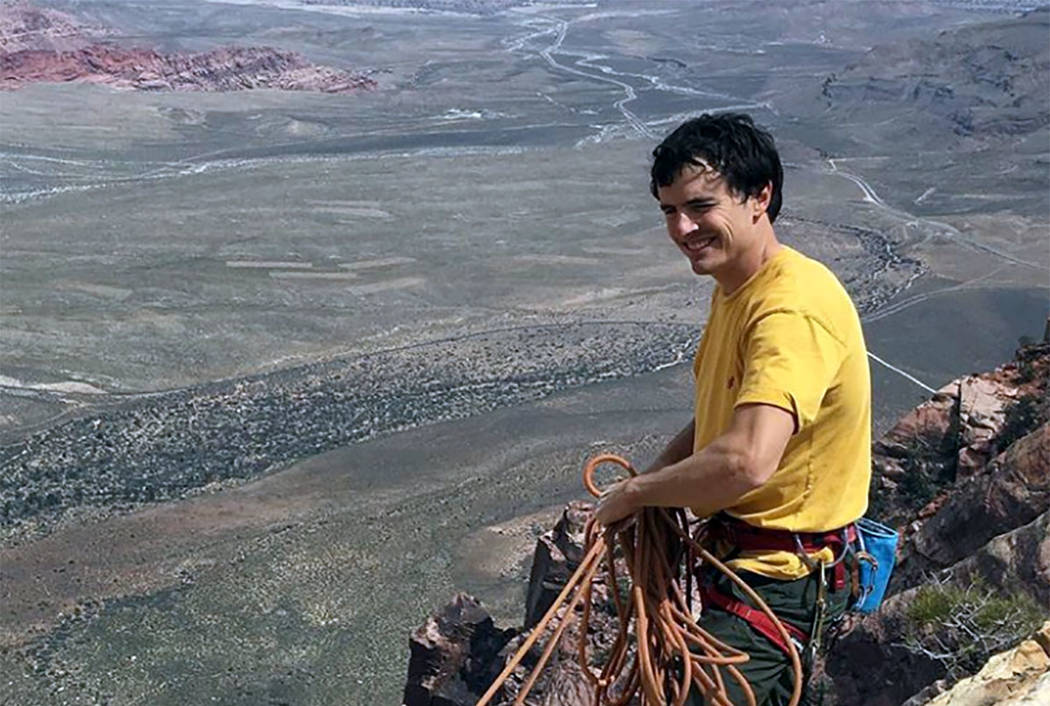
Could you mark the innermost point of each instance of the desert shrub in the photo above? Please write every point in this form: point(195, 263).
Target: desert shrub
point(917, 486)
point(1026, 371)
point(1026, 414)
point(926, 473)
point(961, 627)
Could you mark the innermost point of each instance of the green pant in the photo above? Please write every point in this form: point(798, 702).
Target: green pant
point(769, 670)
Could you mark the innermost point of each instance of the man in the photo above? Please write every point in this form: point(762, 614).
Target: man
point(778, 451)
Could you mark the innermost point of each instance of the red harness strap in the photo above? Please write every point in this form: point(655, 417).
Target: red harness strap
point(755, 618)
point(750, 538)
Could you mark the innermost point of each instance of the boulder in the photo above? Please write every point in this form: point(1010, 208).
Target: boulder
point(454, 655)
point(983, 400)
point(558, 554)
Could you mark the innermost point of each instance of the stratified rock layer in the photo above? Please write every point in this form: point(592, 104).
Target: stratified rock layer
point(48, 46)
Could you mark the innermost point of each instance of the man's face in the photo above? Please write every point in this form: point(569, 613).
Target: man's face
point(709, 224)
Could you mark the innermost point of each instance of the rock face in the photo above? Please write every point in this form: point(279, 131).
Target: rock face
point(47, 46)
point(875, 663)
point(952, 436)
point(454, 655)
point(1014, 490)
point(978, 554)
point(1018, 676)
point(558, 553)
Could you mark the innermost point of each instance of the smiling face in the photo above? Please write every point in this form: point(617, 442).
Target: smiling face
point(719, 233)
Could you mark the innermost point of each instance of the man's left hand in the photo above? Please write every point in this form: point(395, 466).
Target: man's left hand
point(615, 503)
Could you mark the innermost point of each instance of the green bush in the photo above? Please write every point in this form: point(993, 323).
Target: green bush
point(961, 627)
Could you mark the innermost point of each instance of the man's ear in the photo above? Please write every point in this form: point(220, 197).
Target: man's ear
point(760, 202)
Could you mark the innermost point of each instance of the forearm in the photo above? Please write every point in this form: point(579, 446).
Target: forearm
point(678, 449)
point(739, 460)
point(708, 481)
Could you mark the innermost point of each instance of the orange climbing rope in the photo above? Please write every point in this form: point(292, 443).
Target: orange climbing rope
point(670, 651)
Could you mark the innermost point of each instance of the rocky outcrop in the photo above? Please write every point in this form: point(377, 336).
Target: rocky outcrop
point(951, 437)
point(974, 566)
point(232, 69)
point(1014, 678)
point(558, 553)
point(879, 663)
point(47, 46)
point(438, 668)
point(982, 444)
point(454, 655)
point(1013, 491)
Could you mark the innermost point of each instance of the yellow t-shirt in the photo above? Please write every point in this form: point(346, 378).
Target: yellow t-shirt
point(791, 337)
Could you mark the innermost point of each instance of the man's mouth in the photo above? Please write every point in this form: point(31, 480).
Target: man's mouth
point(696, 245)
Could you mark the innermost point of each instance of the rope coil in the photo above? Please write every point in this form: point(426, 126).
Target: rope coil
point(670, 651)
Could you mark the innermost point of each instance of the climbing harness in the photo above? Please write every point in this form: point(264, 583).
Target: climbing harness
point(672, 653)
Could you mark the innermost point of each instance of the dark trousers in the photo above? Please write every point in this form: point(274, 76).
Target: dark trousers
point(769, 670)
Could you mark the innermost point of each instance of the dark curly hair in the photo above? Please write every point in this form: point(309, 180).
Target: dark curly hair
point(744, 154)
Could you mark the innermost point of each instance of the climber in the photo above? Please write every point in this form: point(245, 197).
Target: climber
point(777, 454)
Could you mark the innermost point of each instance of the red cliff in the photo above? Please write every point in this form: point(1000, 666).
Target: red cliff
point(48, 46)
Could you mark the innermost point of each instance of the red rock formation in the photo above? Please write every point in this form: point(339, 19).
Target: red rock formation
point(230, 69)
point(951, 437)
point(24, 27)
point(47, 46)
point(1014, 491)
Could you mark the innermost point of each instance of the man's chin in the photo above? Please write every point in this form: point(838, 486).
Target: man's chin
point(700, 268)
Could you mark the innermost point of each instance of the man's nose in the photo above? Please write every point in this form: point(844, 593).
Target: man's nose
point(679, 225)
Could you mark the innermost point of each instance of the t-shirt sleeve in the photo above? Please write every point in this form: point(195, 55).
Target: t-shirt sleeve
point(790, 361)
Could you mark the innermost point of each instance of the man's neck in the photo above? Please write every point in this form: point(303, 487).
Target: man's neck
point(745, 267)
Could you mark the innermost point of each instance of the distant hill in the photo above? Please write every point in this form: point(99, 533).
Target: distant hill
point(986, 79)
point(44, 45)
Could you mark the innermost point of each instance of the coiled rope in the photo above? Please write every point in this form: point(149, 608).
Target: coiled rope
point(670, 651)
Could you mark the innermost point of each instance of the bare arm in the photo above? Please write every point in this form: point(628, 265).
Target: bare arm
point(743, 458)
point(679, 448)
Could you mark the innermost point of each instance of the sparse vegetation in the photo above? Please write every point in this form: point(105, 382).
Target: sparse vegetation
point(917, 486)
point(961, 627)
point(1023, 417)
point(925, 474)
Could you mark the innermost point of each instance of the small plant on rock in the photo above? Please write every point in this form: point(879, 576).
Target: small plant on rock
point(961, 627)
point(1024, 416)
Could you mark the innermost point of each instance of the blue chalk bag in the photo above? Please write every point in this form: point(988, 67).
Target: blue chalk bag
point(875, 554)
